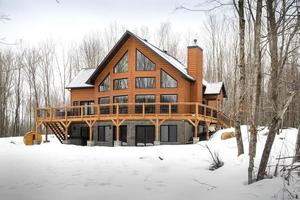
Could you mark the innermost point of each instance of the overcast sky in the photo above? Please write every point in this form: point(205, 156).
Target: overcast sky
point(70, 20)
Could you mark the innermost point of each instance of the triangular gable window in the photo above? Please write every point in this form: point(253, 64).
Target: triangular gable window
point(167, 81)
point(143, 63)
point(122, 65)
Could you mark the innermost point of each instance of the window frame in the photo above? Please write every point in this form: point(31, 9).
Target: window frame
point(117, 79)
point(136, 62)
point(169, 132)
point(126, 52)
point(88, 110)
point(104, 109)
point(174, 108)
point(107, 76)
point(154, 83)
point(98, 133)
point(161, 86)
point(123, 109)
point(148, 108)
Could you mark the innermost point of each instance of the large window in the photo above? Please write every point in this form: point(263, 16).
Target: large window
point(87, 109)
point(103, 131)
point(168, 98)
point(121, 84)
point(168, 133)
point(123, 109)
point(122, 65)
point(143, 63)
point(145, 99)
point(105, 108)
point(104, 85)
point(145, 82)
point(167, 81)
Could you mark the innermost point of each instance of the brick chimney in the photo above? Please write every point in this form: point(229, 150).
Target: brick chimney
point(195, 69)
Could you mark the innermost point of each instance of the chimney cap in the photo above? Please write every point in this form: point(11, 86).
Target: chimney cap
point(195, 41)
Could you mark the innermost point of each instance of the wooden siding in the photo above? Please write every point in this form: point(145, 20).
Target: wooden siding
point(183, 89)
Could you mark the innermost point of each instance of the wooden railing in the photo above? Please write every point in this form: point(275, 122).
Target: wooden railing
point(141, 110)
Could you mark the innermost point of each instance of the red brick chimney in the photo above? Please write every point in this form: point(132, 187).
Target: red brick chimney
point(195, 69)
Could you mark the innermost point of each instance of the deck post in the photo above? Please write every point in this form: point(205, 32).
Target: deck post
point(196, 138)
point(90, 123)
point(157, 132)
point(206, 130)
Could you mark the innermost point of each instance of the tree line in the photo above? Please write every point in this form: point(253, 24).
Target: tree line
point(253, 48)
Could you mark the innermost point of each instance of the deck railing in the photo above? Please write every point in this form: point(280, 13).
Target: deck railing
point(131, 109)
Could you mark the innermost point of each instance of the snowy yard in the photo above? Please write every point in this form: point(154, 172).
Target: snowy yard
point(55, 171)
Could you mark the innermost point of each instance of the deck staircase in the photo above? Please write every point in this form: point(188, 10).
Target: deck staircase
point(57, 129)
point(224, 120)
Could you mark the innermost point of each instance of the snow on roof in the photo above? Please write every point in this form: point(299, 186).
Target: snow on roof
point(212, 88)
point(80, 80)
point(173, 61)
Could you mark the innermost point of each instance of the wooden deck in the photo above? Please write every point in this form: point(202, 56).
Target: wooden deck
point(59, 119)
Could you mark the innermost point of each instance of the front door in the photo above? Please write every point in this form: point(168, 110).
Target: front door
point(144, 135)
point(84, 135)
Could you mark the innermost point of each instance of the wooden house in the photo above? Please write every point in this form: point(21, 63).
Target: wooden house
point(139, 95)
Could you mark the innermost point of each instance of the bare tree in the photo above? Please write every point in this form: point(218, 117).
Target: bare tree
point(242, 83)
point(287, 26)
point(31, 62)
point(92, 50)
point(6, 74)
point(256, 90)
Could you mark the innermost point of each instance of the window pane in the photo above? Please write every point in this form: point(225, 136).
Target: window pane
point(105, 84)
point(168, 98)
point(145, 82)
point(101, 133)
point(87, 110)
point(123, 109)
point(143, 63)
point(172, 133)
point(166, 81)
point(145, 99)
point(122, 65)
point(164, 135)
point(104, 109)
point(120, 84)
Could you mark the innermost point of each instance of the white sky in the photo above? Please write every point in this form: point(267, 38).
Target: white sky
point(70, 20)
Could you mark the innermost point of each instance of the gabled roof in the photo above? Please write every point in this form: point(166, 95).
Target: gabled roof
point(81, 78)
point(213, 88)
point(165, 56)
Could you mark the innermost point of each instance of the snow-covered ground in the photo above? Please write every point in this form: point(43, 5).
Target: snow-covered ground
point(55, 171)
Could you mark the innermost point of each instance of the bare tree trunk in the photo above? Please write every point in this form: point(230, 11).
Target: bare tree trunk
point(256, 91)
point(242, 85)
point(297, 149)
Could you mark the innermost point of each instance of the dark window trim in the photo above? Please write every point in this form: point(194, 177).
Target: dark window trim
point(98, 138)
point(118, 63)
point(119, 96)
point(174, 108)
point(120, 79)
point(103, 97)
point(145, 94)
point(103, 81)
point(148, 108)
point(146, 77)
point(88, 110)
point(169, 94)
point(104, 109)
point(170, 76)
point(168, 125)
point(146, 57)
